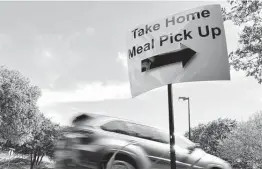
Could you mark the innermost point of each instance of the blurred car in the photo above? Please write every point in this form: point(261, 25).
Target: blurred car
point(93, 139)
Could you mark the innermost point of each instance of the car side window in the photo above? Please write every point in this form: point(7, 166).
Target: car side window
point(134, 130)
point(183, 142)
point(144, 132)
point(131, 129)
point(162, 136)
point(116, 126)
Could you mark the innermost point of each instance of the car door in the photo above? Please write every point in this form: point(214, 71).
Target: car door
point(156, 151)
point(156, 147)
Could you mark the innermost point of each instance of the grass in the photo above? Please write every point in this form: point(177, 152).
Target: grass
point(21, 162)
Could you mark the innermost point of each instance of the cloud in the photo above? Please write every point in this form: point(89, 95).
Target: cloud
point(47, 54)
point(122, 57)
point(91, 92)
point(232, 35)
point(90, 31)
point(73, 56)
point(5, 40)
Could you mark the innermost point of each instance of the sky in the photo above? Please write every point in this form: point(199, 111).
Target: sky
point(76, 53)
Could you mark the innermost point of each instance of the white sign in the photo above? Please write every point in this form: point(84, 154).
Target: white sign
point(185, 47)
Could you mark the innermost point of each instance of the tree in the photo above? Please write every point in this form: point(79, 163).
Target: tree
point(18, 99)
point(248, 56)
point(45, 134)
point(210, 135)
point(243, 147)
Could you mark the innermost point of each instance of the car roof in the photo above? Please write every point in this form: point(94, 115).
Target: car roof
point(102, 119)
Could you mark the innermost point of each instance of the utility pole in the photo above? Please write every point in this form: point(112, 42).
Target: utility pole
point(189, 118)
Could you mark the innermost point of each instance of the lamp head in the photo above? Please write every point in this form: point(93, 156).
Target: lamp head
point(183, 98)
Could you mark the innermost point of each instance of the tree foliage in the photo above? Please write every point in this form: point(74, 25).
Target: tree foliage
point(248, 56)
point(243, 147)
point(45, 134)
point(22, 125)
point(18, 100)
point(210, 135)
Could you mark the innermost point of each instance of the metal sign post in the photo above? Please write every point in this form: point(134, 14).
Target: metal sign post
point(171, 127)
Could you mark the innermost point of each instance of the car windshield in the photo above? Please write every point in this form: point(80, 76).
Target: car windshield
point(180, 141)
point(183, 142)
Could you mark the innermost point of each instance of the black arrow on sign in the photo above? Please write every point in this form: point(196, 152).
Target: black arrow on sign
point(183, 55)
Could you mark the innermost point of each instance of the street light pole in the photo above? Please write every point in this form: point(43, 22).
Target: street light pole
point(189, 119)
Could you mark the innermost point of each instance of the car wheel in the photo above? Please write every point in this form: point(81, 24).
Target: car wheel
point(121, 165)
